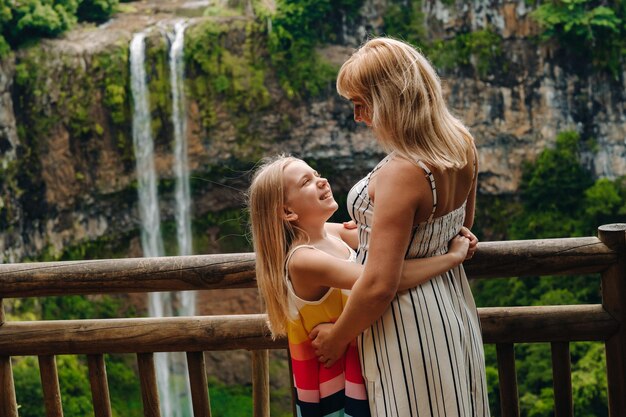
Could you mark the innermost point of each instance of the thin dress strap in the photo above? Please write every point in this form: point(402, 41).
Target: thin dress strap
point(431, 178)
point(291, 252)
point(351, 252)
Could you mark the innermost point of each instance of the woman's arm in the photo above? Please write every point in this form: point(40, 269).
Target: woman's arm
point(470, 206)
point(397, 199)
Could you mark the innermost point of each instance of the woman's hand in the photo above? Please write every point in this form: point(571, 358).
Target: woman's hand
point(327, 350)
point(349, 225)
point(473, 241)
point(459, 246)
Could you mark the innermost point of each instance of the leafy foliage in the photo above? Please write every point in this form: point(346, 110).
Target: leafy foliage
point(558, 199)
point(406, 23)
point(28, 20)
point(297, 27)
point(481, 49)
point(587, 28)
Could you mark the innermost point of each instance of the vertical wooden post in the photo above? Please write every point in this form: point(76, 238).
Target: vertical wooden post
point(99, 386)
point(614, 302)
point(148, 381)
point(261, 383)
point(507, 377)
point(8, 402)
point(50, 385)
point(199, 385)
point(562, 379)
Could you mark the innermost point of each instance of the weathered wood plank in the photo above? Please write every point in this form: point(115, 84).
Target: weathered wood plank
point(614, 301)
point(249, 331)
point(8, 402)
point(261, 383)
point(50, 385)
point(545, 324)
point(99, 386)
point(148, 382)
point(199, 385)
point(507, 377)
point(164, 334)
point(562, 379)
point(515, 258)
point(173, 273)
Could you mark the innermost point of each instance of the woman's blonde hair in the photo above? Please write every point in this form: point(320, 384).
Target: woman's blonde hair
point(272, 237)
point(402, 95)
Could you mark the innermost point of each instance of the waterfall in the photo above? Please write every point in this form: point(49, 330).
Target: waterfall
point(184, 300)
point(179, 122)
point(144, 152)
point(159, 304)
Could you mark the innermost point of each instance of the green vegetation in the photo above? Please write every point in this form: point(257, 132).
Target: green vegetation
point(26, 21)
point(558, 199)
point(587, 29)
point(223, 78)
point(480, 49)
point(297, 27)
point(114, 82)
point(406, 23)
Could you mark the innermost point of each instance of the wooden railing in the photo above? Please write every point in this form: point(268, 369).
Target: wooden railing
point(504, 327)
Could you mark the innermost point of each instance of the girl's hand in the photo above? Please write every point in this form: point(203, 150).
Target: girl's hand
point(459, 246)
point(473, 242)
point(327, 350)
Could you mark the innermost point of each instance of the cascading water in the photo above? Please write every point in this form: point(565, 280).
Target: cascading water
point(177, 71)
point(159, 304)
point(184, 300)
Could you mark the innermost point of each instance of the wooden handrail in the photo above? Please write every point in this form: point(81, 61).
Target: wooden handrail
point(515, 258)
point(249, 331)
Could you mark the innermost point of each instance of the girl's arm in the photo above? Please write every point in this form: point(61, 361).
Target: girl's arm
point(345, 232)
point(418, 271)
point(324, 270)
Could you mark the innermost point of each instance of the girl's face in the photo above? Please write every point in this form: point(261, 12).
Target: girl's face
point(308, 195)
point(361, 112)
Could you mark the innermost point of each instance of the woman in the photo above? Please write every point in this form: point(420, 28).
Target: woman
point(421, 350)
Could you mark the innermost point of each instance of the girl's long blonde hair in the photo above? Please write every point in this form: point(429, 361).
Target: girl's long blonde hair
point(272, 237)
point(402, 95)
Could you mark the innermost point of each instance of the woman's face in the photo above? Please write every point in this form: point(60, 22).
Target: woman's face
point(361, 112)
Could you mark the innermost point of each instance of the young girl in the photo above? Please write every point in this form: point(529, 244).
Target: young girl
point(302, 265)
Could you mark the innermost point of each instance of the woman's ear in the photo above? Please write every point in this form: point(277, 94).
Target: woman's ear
point(289, 215)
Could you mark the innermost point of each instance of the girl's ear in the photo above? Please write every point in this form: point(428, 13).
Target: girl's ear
point(289, 215)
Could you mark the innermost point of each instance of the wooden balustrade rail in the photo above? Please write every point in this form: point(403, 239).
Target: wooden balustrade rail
point(558, 325)
point(206, 272)
point(249, 331)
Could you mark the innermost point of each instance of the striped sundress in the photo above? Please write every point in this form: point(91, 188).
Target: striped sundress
point(424, 356)
point(336, 391)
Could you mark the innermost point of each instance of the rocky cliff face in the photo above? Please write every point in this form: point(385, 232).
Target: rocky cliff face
point(65, 120)
point(518, 111)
